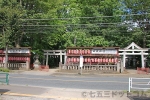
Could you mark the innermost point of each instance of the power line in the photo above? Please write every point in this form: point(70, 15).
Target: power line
point(89, 17)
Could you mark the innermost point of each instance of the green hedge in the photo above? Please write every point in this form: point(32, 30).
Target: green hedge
point(4, 69)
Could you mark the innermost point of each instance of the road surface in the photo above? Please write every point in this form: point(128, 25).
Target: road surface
point(74, 82)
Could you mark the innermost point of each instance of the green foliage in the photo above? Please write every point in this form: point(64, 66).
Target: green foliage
point(57, 24)
point(4, 69)
point(80, 38)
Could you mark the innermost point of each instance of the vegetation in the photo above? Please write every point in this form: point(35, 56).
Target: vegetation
point(4, 70)
point(57, 24)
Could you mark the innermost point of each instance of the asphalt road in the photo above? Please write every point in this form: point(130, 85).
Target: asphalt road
point(74, 82)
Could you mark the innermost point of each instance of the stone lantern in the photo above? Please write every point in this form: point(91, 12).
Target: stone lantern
point(36, 62)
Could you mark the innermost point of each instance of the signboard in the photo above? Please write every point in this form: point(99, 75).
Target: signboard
point(18, 51)
point(81, 61)
point(104, 51)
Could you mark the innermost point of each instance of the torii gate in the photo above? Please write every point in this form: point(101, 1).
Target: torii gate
point(133, 49)
point(55, 52)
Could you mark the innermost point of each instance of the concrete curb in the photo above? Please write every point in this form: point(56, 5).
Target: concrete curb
point(43, 96)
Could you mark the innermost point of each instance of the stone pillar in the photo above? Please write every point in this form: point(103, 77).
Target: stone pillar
point(60, 56)
point(124, 60)
point(27, 65)
point(65, 58)
point(118, 66)
point(122, 67)
point(60, 65)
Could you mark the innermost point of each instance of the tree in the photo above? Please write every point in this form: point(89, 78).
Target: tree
point(82, 39)
point(11, 13)
point(141, 9)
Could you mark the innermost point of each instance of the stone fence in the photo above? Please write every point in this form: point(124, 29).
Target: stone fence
point(106, 68)
point(14, 66)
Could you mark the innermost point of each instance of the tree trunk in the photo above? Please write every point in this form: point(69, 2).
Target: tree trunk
point(17, 44)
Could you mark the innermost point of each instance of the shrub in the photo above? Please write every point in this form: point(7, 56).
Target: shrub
point(4, 69)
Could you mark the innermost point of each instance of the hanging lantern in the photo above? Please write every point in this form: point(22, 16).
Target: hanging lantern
point(14, 58)
point(78, 60)
point(89, 60)
point(74, 60)
point(116, 60)
point(69, 60)
point(92, 59)
point(86, 60)
point(1, 58)
point(96, 60)
point(77, 51)
point(110, 60)
point(85, 51)
point(104, 60)
point(80, 51)
point(69, 51)
point(101, 60)
point(17, 58)
point(89, 52)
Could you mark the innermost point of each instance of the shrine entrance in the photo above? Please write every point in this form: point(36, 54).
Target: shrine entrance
point(53, 57)
point(134, 56)
point(133, 61)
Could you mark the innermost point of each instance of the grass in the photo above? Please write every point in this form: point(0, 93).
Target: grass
point(4, 69)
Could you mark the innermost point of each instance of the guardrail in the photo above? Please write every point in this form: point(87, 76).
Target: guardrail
point(4, 78)
point(139, 83)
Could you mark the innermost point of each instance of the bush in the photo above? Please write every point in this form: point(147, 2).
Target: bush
point(4, 69)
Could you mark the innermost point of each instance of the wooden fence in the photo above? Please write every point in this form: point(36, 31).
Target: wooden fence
point(14, 66)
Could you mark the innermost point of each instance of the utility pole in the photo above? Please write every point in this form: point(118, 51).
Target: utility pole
point(6, 50)
point(6, 56)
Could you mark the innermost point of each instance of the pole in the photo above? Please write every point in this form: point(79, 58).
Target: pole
point(129, 84)
point(6, 56)
point(81, 70)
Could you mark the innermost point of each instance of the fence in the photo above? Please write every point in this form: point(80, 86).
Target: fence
point(139, 83)
point(112, 68)
point(4, 78)
point(14, 65)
